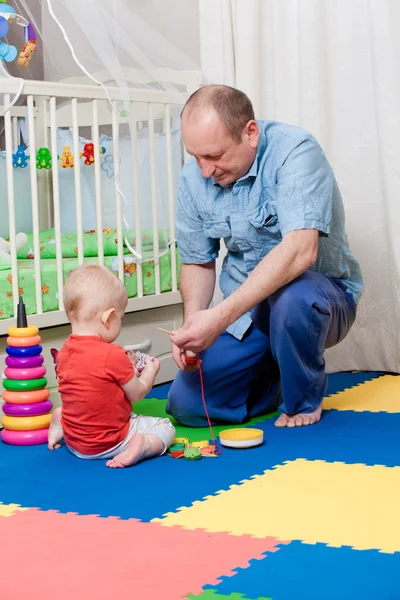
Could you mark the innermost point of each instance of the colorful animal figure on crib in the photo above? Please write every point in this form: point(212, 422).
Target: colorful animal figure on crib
point(26, 53)
point(20, 159)
point(43, 159)
point(67, 158)
point(88, 153)
point(27, 408)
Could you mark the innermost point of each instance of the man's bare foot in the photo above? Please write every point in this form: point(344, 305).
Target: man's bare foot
point(55, 431)
point(140, 447)
point(300, 419)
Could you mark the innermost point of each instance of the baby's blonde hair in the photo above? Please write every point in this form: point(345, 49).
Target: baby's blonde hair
point(90, 290)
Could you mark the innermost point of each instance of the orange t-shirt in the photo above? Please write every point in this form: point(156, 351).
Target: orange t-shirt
point(95, 410)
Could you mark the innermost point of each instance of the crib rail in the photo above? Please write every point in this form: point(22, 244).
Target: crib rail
point(49, 106)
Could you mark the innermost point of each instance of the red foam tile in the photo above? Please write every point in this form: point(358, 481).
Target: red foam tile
point(64, 556)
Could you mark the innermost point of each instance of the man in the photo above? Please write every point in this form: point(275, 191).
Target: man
point(289, 280)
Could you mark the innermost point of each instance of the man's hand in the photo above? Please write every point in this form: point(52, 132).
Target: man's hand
point(199, 331)
point(180, 356)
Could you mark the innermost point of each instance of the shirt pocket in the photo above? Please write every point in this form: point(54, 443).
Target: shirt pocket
point(216, 224)
point(262, 214)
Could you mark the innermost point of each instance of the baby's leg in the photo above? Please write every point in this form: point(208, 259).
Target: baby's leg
point(139, 447)
point(56, 433)
point(152, 437)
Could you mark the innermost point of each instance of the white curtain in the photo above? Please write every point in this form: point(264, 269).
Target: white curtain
point(332, 67)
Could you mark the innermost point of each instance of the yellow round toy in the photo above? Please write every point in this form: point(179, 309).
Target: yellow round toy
point(26, 423)
point(241, 438)
point(23, 332)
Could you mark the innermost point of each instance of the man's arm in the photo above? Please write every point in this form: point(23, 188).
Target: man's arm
point(197, 285)
point(291, 258)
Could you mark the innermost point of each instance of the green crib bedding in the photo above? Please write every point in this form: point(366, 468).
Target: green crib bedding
point(69, 243)
point(48, 270)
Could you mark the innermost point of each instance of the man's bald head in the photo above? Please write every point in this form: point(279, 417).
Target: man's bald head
point(232, 107)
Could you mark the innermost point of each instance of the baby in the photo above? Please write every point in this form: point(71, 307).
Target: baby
point(98, 381)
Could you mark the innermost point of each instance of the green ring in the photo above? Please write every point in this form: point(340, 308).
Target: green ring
point(24, 385)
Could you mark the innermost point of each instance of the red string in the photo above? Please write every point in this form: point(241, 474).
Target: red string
point(218, 450)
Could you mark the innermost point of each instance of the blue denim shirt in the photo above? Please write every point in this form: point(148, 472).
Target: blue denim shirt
point(289, 186)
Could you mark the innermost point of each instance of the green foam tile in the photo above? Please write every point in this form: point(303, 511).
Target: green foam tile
point(154, 407)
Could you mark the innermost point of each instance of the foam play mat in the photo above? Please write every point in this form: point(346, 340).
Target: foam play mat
point(311, 514)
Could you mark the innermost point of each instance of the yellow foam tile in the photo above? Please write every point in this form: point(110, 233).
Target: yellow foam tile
point(377, 395)
point(8, 510)
point(312, 501)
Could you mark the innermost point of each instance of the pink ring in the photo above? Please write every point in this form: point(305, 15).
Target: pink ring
point(27, 410)
point(25, 438)
point(24, 342)
point(32, 373)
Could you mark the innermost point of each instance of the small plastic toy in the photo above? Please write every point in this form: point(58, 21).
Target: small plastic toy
point(88, 153)
point(29, 47)
point(43, 159)
point(20, 158)
point(241, 438)
point(27, 408)
point(182, 448)
point(8, 15)
point(67, 158)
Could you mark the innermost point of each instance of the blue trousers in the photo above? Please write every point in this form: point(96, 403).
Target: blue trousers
point(278, 364)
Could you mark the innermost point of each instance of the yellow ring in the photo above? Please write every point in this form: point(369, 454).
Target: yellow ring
point(26, 423)
point(18, 332)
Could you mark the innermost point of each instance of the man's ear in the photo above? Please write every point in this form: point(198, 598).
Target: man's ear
point(105, 319)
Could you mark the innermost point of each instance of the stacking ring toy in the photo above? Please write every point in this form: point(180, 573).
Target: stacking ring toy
point(24, 385)
point(26, 423)
point(241, 438)
point(32, 373)
point(24, 352)
point(25, 438)
point(18, 342)
point(27, 363)
point(27, 410)
point(18, 332)
point(26, 397)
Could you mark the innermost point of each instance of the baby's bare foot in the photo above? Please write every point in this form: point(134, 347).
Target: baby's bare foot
point(300, 419)
point(56, 433)
point(140, 447)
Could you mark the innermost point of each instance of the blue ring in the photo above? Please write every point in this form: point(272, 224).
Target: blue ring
point(24, 351)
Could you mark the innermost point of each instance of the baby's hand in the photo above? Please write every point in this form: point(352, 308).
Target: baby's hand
point(131, 355)
point(152, 366)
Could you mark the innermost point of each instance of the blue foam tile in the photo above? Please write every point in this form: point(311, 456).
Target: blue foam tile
point(160, 391)
point(307, 572)
point(34, 476)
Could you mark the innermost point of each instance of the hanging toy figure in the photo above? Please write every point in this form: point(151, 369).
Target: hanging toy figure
point(20, 159)
point(43, 159)
point(25, 55)
point(88, 153)
point(67, 158)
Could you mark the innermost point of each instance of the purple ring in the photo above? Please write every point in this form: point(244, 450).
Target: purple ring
point(27, 410)
point(24, 363)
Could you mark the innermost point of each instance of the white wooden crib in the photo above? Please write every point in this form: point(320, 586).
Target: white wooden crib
point(72, 107)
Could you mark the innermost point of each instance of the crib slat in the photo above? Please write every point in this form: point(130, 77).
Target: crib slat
point(115, 135)
point(15, 132)
point(171, 194)
point(97, 181)
point(56, 201)
point(35, 205)
point(135, 175)
point(10, 198)
point(77, 177)
point(156, 248)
